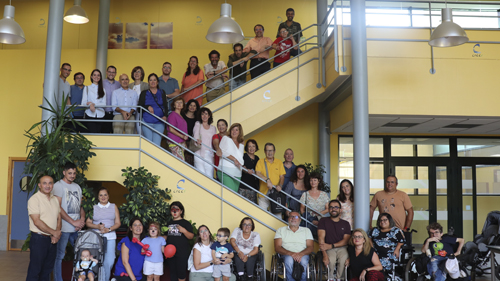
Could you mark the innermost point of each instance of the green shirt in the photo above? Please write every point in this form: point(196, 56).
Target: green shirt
point(294, 241)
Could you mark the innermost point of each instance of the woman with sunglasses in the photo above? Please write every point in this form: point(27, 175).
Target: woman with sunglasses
point(154, 101)
point(387, 240)
point(245, 243)
point(180, 231)
point(363, 262)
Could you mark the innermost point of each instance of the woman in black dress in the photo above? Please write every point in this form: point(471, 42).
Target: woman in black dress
point(363, 262)
point(180, 231)
point(249, 162)
point(189, 114)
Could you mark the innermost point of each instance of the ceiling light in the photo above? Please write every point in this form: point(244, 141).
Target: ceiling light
point(76, 14)
point(10, 31)
point(448, 33)
point(225, 30)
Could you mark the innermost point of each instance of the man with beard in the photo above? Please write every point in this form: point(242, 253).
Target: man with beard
point(292, 27)
point(216, 68)
point(69, 195)
point(110, 85)
point(333, 235)
point(168, 84)
point(294, 243)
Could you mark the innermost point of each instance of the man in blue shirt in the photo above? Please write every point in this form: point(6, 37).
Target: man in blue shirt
point(168, 84)
point(75, 97)
point(110, 85)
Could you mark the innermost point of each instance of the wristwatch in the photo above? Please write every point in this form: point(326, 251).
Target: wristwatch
point(211, 263)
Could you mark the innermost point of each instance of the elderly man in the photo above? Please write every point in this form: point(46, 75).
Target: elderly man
point(261, 45)
point(124, 102)
point(395, 202)
point(294, 243)
point(216, 72)
point(440, 247)
point(333, 235)
point(271, 170)
point(45, 226)
point(288, 165)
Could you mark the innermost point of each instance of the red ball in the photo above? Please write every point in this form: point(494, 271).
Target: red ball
point(169, 251)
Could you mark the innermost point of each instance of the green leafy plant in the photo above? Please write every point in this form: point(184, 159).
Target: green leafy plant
point(322, 171)
point(48, 151)
point(144, 200)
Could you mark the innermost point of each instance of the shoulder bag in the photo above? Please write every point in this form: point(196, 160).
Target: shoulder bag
point(276, 196)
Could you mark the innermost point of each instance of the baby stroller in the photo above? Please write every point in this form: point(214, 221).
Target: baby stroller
point(477, 251)
point(92, 241)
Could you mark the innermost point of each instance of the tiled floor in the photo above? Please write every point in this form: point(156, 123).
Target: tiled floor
point(14, 266)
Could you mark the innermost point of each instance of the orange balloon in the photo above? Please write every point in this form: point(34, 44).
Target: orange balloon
point(169, 251)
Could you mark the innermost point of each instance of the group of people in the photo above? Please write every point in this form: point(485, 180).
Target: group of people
point(56, 216)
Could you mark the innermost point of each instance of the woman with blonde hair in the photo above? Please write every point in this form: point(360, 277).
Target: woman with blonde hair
point(363, 262)
point(231, 148)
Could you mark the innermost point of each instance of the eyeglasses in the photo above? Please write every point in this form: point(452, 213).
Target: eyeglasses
point(66, 69)
point(334, 207)
point(204, 231)
point(167, 67)
point(220, 236)
point(358, 237)
point(247, 224)
point(283, 31)
point(259, 29)
point(294, 217)
point(384, 220)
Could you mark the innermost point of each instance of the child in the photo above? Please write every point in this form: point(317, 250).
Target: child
point(221, 250)
point(85, 265)
point(153, 265)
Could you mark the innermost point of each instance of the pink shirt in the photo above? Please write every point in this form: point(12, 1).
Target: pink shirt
point(259, 45)
point(206, 138)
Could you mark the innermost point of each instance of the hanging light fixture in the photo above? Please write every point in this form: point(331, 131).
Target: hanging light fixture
point(10, 31)
point(448, 33)
point(76, 14)
point(225, 30)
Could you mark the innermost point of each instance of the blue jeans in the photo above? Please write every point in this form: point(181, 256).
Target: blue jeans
point(61, 251)
point(42, 257)
point(153, 136)
point(433, 268)
point(289, 267)
point(236, 83)
point(109, 258)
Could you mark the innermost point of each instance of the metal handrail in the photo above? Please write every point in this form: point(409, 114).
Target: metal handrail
point(200, 157)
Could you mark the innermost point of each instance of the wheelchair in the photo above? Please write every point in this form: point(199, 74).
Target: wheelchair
point(278, 269)
point(323, 271)
point(259, 272)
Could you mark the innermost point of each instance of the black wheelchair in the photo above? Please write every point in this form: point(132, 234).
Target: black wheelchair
point(323, 271)
point(278, 269)
point(259, 272)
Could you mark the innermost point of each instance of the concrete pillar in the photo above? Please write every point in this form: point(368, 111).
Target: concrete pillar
point(102, 36)
point(324, 143)
point(360, 113)
point(52, 58)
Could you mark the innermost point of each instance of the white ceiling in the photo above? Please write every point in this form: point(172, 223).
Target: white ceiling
point(448, 125)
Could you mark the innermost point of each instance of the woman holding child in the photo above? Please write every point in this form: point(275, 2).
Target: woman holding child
point(245, 243)
point(105, 221)
point(180, 231)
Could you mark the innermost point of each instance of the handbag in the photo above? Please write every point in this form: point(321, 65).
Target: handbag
point(276, 196)
point(297, 271)
point(192, 143)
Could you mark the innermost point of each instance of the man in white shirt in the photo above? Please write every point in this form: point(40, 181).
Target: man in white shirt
point(72, 214)
point(216, 68)
point(64, 87)
point(122, 98)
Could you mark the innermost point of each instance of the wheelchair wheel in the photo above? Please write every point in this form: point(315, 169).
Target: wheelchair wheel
point(311, 268)
point(260, 267)
point(411, 273)
point(274, 268)
point(320, 267)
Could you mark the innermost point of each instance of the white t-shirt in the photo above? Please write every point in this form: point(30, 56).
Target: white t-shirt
point(228, 148)
point(206, 256)
point(246, 245)
point(71, 196)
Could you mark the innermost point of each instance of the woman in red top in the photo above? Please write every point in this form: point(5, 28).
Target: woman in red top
point(193, 76)
point(283, 45)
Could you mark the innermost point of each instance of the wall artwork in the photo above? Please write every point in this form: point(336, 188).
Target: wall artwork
point(136, 35)
point(115, 36)
point(161, 35)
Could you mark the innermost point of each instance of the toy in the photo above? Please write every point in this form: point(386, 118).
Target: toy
point(144, 246)
point(169, 251)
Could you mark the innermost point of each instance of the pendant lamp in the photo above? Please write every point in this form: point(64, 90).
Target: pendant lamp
point(225, 30)
point(448, 33)
point(76, 14)
point(10, 31)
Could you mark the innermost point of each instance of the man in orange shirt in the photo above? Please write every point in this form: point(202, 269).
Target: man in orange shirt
point(261, 45)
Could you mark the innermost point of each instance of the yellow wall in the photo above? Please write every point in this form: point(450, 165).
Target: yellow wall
point(23, 65)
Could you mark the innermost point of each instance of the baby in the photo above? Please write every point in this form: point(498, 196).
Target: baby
point(85, 265)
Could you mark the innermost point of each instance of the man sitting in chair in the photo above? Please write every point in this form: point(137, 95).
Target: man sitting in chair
point(439, 247)
point(294, 243)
